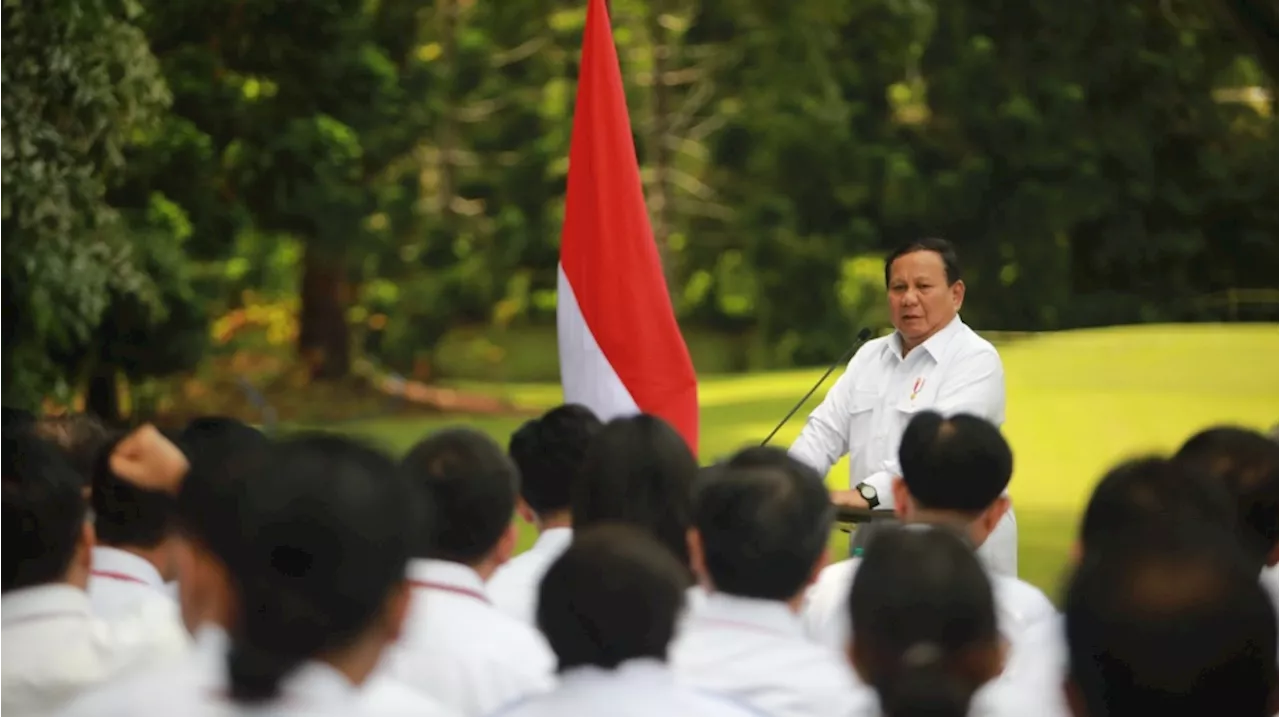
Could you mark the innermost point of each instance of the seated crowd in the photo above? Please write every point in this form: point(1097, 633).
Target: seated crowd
point(218, 571)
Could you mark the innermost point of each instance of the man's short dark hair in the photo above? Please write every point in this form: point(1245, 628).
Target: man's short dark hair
point(613, 596)
point(763, 525)
point(961, 463)
point(638, 470)
point(125, 515)
point(469, 486)
point(1151, 491)
point(44, 512)
point(941, 247)
point(549, 450)
point(80, 436)
point(1246, 462)
point(1171, 622)
point(221, 451)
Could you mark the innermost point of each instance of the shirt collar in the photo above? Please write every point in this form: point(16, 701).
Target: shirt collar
point(113, 562)
point(442, 572)
point(55, 600)
point(643, 670)
point(935, 345)
point(746, 613)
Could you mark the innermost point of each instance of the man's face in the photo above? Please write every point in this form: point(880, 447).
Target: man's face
point(920, 300)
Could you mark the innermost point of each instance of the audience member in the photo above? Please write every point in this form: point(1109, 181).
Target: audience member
point(1171, 622)
point(81, 437)
point(457, 646)
point(608, 606)
point(53, 647)
point(759, 537)
point(925, 632)
point(549, 452)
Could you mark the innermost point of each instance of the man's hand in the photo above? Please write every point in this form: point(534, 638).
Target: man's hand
point(148, 460)
point(849, 499)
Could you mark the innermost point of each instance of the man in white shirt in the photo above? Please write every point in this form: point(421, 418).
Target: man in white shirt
point(548, 451)
point(932, 361)
point(954, 472)
point(608, 606)
point(456, 645)
point(761, 524)
point(134, 554)
point(1172, 622)
point(53, 647)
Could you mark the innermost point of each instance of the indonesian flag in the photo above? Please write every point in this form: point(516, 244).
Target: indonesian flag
point(621, 351)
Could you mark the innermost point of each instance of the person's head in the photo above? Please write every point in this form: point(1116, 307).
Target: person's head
point(1246, 463)
point(1171, 622)
point(470, 487)
point(925, 288)
point(639, 471)
point(614, 595)
point(221, 452)
point(954, 470)
point(46, 537)
point(924, 631)
point(81, 437)
point(130, 518)
point(319, 556)
point(549, 451)
point(1145, 491)
point(760, 526)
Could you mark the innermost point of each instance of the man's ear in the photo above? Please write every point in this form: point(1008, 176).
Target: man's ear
point(957, 294)
point(506, 544)
point(1273, 556)
point(1073, 698)
point(526, 513)
point(902, 503)
point(991, 517)
point(397, 610)
point(697, 558)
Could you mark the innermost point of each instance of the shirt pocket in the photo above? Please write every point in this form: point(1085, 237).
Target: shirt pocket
point(861, 409)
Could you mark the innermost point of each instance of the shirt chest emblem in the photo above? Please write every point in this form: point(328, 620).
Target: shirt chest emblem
point(916, 388)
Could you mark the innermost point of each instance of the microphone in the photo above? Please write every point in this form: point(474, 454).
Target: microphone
point(863, 336)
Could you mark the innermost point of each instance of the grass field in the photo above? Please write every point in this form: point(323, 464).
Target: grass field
point(1078, 402)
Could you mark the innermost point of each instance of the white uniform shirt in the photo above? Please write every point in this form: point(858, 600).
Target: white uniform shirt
point(825, 614)
point(53, 648)
point(196, 686)
point(461, 649)
point(756, 652)
point(122, 584)
point(637, 688)
point(514, 586)
point(865, 413)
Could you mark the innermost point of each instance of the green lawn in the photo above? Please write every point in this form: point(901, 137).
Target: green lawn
point(1078, 401)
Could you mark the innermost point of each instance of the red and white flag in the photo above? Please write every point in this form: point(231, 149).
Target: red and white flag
point(621, 351)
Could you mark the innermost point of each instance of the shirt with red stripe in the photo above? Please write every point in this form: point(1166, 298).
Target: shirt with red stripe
point(458, 647)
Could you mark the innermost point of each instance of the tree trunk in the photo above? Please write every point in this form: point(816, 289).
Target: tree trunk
point(324, 339)
point(102, 399)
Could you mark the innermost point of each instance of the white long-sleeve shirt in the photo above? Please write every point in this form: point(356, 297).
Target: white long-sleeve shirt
point(865, 413)
point(514, 586)
point(53, 648)
point(756, 652)
point(459, 648)
point(636, 688)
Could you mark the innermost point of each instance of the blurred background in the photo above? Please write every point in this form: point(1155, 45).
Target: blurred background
point(347, 212)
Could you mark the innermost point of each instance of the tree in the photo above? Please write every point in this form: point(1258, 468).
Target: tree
point(79, 82)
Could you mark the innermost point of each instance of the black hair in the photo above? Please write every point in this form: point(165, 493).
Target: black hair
point(125, 515)
point(1246, 463)
point(81, 437)
point(961, 463)
point(1144, 491)
point(16, 419)
point(614, 595)
point(1171, 622)
point(322, 544)
point(549, 450)
point(638, 470)
point(221, 451)
point(764, 522)
point(941, 247)
point(470, 487)
point(44, 512)
point(922, 608)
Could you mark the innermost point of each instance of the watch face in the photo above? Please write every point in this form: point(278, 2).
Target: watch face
point(867, 492)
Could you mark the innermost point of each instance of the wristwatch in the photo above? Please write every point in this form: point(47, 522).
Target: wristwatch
point(868, 493)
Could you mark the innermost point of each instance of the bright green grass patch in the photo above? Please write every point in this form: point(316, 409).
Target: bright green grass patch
point(1078, 402)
